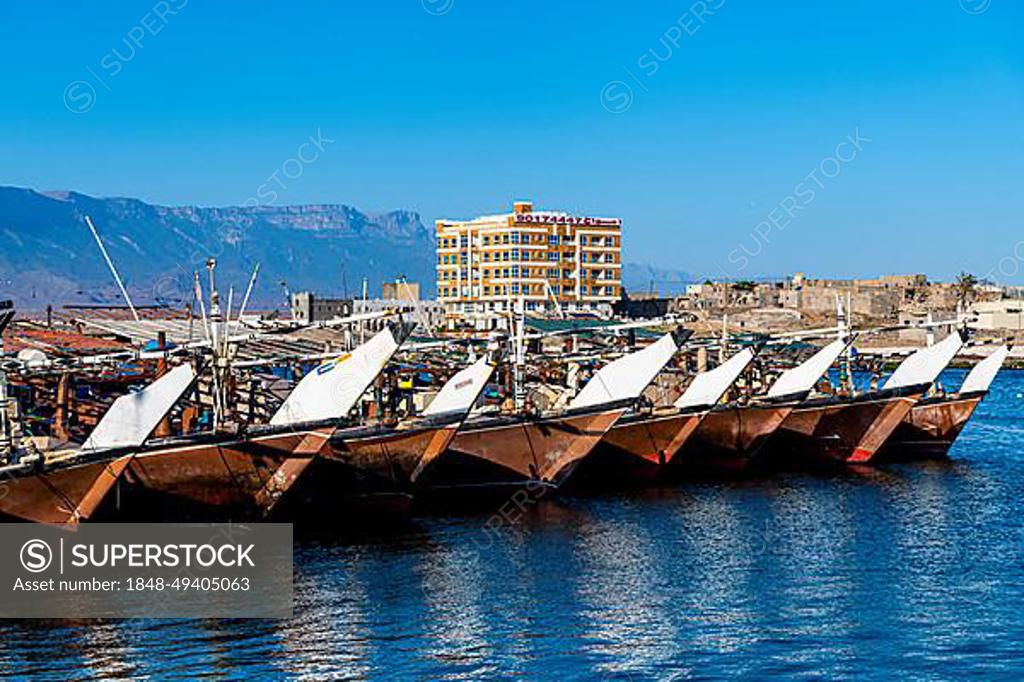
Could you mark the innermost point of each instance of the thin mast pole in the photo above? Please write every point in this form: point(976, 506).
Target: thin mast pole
point(248, 291)
point(113, 270)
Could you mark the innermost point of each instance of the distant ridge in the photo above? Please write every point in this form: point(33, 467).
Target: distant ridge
point(49, 256)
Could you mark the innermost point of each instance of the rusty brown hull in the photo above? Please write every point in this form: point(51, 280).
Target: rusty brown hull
point(730, 438)
point(393, 456)
point(637, 448)
point(244, 478)
point(513, 451)
point(371, 472)
point(65, 494)
point(852, 430)
point(931, 428)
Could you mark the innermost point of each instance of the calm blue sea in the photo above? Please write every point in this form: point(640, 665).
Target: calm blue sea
point(915, 571)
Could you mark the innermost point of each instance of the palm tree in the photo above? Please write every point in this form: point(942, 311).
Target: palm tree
point(965, 285)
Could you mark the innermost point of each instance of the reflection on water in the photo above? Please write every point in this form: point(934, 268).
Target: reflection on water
point(914, 569)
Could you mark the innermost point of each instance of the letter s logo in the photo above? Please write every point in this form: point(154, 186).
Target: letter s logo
point(36, 556)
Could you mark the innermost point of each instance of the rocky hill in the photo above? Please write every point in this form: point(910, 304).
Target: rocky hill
point(49, 256)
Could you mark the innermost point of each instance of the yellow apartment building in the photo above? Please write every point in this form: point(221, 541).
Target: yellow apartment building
point(555, 262)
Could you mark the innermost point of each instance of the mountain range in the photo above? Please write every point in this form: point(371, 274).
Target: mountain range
point(50, 256)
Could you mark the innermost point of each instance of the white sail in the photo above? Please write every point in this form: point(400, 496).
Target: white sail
point(805, 376)
point(331, 390)
point(628, 376)
point(984, 373)
point(133, 417)
point(925, 365)
point(461, 391)
point(707, 388)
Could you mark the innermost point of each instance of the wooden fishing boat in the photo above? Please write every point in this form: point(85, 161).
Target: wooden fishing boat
point(852, 429)
point(509, 450)
point(491, 453)
point(732, 436)
point(219, 476)
point(245, 474)
point(934, 423)
point(372, 467)
point(65, 490)
point(71, 484)
point(849, 429)
point(642, 443)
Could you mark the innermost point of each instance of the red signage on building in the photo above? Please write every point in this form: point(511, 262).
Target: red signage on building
point(547, 218)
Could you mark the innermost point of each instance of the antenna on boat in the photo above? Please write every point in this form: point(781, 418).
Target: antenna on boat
point(113, 270)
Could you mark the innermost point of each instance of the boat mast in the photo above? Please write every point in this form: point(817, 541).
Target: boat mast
point(248, 292)
point(219, 337)
point(844, 327)
point(6, 428)
point(113, 270)
point(520, 355)
point(849, 348)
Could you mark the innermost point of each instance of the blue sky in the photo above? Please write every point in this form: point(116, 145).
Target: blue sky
point(697, 123)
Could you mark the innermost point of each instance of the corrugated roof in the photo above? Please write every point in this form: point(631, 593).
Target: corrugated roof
point(586, 326)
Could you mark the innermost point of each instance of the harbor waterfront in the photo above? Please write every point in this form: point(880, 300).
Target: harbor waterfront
point(450, 340)
point(908, 569)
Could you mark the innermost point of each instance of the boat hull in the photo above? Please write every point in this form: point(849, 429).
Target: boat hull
point(851, 431)
point(66, 494)
point(931, 428)
point(371, 472)
point(730, 438)
point(236, 479)
point(499, 453)
point(637, 448)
